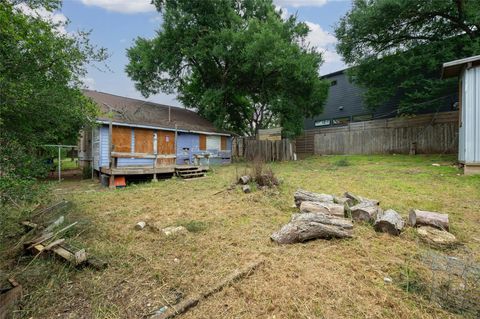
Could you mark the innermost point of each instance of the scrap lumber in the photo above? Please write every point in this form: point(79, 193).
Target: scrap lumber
point(322, 207)
point(58, 205)
point(365, 212)
point(191, 302)
point(62, 250)
point(302, 195)
point(54, 224)
point(29, 225)
point(418, 217)
point(389, 222)
point(9, 298)
point(308, 226)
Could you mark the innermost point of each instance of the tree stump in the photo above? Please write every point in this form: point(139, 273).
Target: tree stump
point(424, 218)
point(303, 196)
point(308, 226)
point(365, 212)
point(389, 222)
point(325, 208)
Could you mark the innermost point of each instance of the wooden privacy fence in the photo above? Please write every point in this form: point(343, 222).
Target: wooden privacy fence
point(268, 151)
point(422, 134)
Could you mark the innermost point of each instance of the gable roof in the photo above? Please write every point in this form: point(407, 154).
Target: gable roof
point(133, 112)
point(454, 68)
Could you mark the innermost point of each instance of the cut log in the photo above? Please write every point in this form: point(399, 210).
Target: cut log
point(140, 225)
point(436, 237)
point(325, 208)
point(389, 222)
point(424, 218)
point(306, 196)
point(365, 212)
point(310, 226)
point(246, 189)
point(343, 201)
point(244, 180)
point(359, 199)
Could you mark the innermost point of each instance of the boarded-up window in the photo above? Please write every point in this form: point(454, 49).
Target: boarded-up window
point(143, 141)
point(121, 139)
point(166, 142)
point(224, 143)
point(203, 142)
point(213, 142)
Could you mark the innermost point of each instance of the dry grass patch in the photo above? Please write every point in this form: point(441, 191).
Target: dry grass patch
point(228, 230)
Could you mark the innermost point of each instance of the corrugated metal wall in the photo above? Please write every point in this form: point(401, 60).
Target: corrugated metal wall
point(470, 130)
point(103, 160)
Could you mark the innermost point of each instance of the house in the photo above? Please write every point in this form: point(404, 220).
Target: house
point(135, 137)
point(468, 72)
point(347, 126)
point(345, 104)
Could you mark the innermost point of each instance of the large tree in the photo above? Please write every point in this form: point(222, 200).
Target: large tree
point(41, 102)
point(397, 47)
point(237, 62)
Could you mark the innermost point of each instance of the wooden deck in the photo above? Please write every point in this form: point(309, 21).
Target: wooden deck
point(142, 170)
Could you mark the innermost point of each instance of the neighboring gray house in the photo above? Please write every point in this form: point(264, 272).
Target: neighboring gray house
point(345, 104)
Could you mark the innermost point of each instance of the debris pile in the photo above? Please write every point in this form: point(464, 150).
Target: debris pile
point(327, 216)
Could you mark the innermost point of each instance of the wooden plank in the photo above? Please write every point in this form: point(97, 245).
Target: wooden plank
point(121, 139)
point(202, 142)
point(223, 143)
point(143, 141)
point(166, 142)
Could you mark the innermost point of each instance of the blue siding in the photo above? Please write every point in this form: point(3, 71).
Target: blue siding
point(190, 141)
point(103, 160)
point(122, 162)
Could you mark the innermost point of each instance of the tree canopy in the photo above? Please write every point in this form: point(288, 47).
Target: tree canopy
point(41, 102)
point(236, 62)
point(397, 47)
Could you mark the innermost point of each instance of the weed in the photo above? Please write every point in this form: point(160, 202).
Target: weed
point(193, 226)
point(343, 162)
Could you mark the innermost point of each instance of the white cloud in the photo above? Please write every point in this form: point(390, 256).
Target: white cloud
point(122, 6)
point(300, 3)
point(89, 83)
point(285, 14)
point(57, 18)
point(319, 37)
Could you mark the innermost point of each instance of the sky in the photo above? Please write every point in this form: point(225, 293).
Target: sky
point(115, 24)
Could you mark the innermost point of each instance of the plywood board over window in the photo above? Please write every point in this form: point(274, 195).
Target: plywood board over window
point(166, 142)
point(224, 143)
point(203, 142)
point(213, 142)
point(121, 139)
point(143, 141)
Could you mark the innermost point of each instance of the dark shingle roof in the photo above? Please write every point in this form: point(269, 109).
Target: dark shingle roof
point(138, 112)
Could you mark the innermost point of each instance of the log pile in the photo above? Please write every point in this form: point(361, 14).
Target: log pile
point(327, 216)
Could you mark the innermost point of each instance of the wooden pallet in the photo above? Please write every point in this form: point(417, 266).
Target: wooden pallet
point(189, 172)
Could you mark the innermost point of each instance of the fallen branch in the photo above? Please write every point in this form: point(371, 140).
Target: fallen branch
point(185, 305)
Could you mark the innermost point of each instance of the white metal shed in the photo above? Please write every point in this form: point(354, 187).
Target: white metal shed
point(468, 72)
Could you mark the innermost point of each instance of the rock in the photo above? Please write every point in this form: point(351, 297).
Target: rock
point(388, 280)
point(246, 189)
point(326, 208)
point(244, 180)
point(140, 225)
point(436, 236)
point(174, 230)
point(389, 222)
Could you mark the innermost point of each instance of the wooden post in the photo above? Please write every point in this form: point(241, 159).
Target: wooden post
point(176, 151)
point(91, 155)
point(110, 131)
point(59, 164)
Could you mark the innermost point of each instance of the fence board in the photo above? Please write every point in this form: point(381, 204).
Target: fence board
point(432, 133)
point(265, 150)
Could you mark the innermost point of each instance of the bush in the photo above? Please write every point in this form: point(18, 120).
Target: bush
point(264, 176)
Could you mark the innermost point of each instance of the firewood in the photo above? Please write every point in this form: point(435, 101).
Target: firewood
point(420, 217)
point(389, 222)
point(437, 237)
point(319, 207)
point(309, 226)
point(140, 225)
point(359, 199)
point(244, 180)
point(303, 195)
point(365, 212)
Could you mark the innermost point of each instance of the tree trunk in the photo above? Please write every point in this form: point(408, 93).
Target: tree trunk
point(420, 217)
point(309, 226)
point(365, 212)
point(325, 208)
point(359, 199)
point(389, 222)
point(303, 195)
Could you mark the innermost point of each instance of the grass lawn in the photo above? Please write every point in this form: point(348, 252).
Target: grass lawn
point(317, 279)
